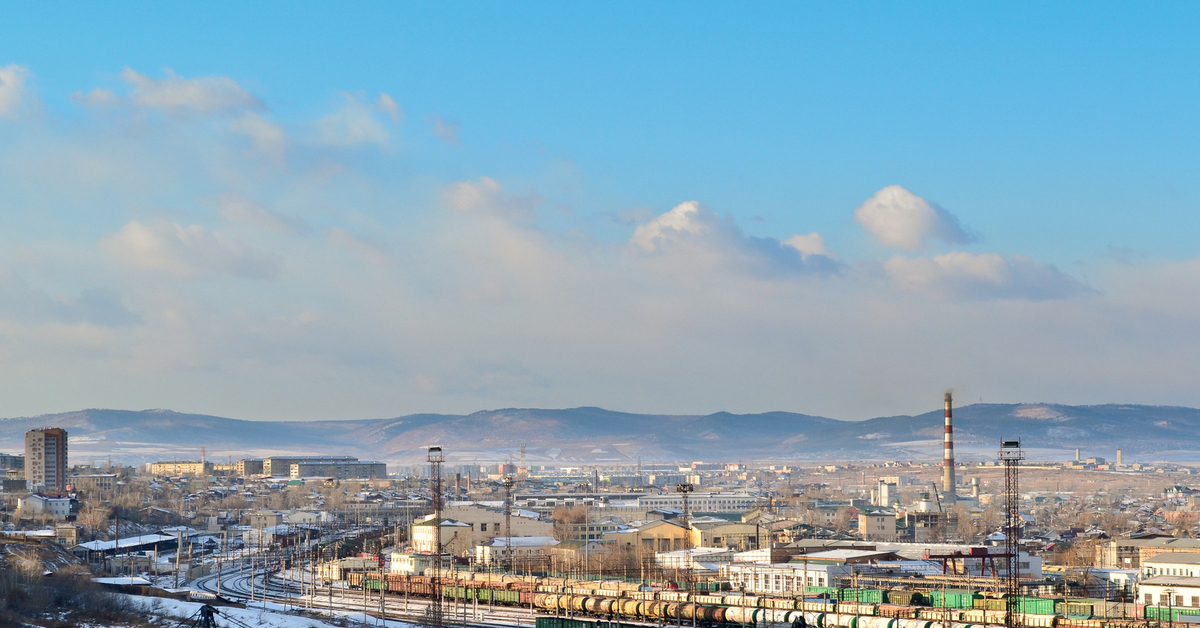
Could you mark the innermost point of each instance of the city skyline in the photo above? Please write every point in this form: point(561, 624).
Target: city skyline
point(377, 211)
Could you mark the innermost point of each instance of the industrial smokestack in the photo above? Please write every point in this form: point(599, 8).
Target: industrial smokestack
point(949, 496)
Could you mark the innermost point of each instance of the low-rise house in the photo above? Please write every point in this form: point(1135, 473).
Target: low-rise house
point(515, 550)
point(36, 504)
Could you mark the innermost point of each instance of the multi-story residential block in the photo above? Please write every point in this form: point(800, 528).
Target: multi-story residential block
point(178, 467)
point(9, 461)
point(879, 525)
point(46, 459)
point(93, 482)
point(281, 466)
point(338, 470)
point(249, 466)
point(705, 502)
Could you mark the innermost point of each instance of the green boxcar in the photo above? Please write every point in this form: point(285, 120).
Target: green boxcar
point(903, 598)
point(505, 596)
point(953, 598)
point(1037, 605)
point(1163, 613)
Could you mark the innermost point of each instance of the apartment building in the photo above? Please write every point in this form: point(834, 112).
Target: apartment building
point(728, 502)
point(46, 459)
point(93, 482)
point(281, 466)
point(248, 467)
point(338, 470)
point(177, 467)
point(9, 461)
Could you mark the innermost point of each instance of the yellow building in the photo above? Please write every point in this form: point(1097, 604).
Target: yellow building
point(177, 467)
point(654, 536)
point(455, 536)
point(735, 535)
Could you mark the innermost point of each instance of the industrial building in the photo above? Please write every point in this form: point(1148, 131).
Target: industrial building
point(46, 460)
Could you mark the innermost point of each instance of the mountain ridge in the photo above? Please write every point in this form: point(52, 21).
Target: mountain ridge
point(592, 435)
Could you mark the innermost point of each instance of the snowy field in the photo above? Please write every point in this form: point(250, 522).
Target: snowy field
point(261, 614)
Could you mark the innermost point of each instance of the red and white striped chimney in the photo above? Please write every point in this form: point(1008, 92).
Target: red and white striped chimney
point(949, 496)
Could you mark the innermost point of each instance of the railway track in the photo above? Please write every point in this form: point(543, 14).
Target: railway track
point(266, 586)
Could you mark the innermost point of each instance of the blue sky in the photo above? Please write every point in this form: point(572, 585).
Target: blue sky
point(310, 211)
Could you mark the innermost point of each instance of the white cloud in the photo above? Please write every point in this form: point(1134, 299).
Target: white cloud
point(388, 105)
point(485, 196)
point(191, 251)
point(809, 245)
point(694, 236)
point(98, 97)
point(239, 210)
point(175, 94)
point(983, 276)
point(264, 136)
point(366, 248)
point(12, 89)
point(353, 125)
point(901, 219)
point(445, 130)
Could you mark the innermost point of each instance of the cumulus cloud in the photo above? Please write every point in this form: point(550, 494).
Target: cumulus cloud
point(810, 245)
point(12, 89)
point(485, 196)
point(353, 125)
point(236, 209)
point(445, 130)
point(367, 248)
point(265, 136)
point(387, 104)
point(187, 252)
point(983, 276)
point(175, 94)
point(901, 219)
point(692, 233)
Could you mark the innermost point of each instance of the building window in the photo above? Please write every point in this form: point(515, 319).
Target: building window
point(483, 527)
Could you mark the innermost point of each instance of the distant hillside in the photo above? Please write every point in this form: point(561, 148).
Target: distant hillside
point(597, 436)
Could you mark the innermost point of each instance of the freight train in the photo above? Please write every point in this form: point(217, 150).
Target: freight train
point(821, 608)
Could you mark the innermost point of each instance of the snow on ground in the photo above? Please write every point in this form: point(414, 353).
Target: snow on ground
point(264, 614)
